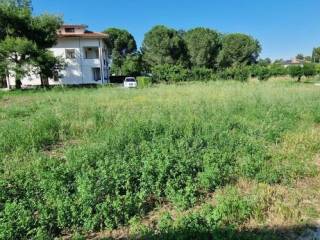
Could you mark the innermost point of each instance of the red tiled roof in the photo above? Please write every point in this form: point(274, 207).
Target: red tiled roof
point(74, 26)
point(83, 35)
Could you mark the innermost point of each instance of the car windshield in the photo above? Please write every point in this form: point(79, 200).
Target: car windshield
point(130, 80)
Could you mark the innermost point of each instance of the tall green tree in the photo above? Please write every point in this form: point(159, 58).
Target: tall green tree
point(120, 44)
point(132, 65)
point(316, 55)
point(162, 45)
point(203, 45)
point(15, 18)
point(308, 58)
point(24, 38)
point(300, 57)
point(264, 62)
point(17, 54)
point(238, 50)
point(47, 66)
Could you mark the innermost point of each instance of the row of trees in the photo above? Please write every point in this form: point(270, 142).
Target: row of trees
point(199, 54)
point(24, 41)
point(198, 47)
point(177, 73)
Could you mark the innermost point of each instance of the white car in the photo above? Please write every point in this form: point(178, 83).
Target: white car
point(130, 82)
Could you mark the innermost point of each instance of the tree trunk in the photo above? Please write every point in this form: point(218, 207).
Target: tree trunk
point(3, 82)
point(7, 78)
point(299, 79)
point(18, 83)
point(44, 81)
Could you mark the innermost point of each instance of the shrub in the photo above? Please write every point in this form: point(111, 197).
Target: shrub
point(15, 221)
point(144, 82)
point(192, 226)
point(202, 74)
point(277, 70)
point(264, 73)
point(296, 71)
point(254, 70)
point(317, 66)
point(241, 74)
point(231, 209)
point(226, 74)
point(170, 73)
point(309, 70)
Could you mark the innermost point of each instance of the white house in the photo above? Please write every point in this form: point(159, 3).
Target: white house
point(85, 54)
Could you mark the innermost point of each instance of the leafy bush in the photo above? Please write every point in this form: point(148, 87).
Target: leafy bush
point(241, 74)
point(296, 71)
point(231, 209)
point(170, 73)
point(309, 70)
point(144, 82)
point(131, 66)
point(202, 74)
point(277, 70)
point(15, 221)
point(264, 73)
point(317, 66)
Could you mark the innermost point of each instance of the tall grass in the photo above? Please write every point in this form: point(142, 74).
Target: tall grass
point(123, 152)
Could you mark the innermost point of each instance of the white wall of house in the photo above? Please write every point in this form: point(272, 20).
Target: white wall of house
point(80, 69)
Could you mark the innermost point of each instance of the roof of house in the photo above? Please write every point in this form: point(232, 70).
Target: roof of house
point(74, 26)
point(85, 34)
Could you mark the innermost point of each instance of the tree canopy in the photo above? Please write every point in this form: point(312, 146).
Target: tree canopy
point(120, 41)
point(132, 65)
point(120, 44)
point(203, 46)
point(24, 39)
point(164, 45)
point(300, 57)
point(316, 55)
point(238, 50)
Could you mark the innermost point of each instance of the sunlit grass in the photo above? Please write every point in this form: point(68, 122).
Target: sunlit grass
point(94, 159)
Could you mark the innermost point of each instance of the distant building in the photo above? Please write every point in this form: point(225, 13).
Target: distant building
point(293, 61)
point(85, 54)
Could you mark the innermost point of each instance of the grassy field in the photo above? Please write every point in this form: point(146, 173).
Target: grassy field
point(218, 160)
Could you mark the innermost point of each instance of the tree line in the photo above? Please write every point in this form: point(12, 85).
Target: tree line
point(196, 48)
point(166, 53)
point(199, 54)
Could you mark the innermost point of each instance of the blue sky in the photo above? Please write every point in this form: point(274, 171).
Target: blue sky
point(284, 27)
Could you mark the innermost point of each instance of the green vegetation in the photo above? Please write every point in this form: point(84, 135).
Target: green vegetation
point(24, 41)
point(162, 45)
point(203, 46)
point(238, 50)
point(81, 160)
point(316, 55)
point(121, 45)
point(144, 82)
